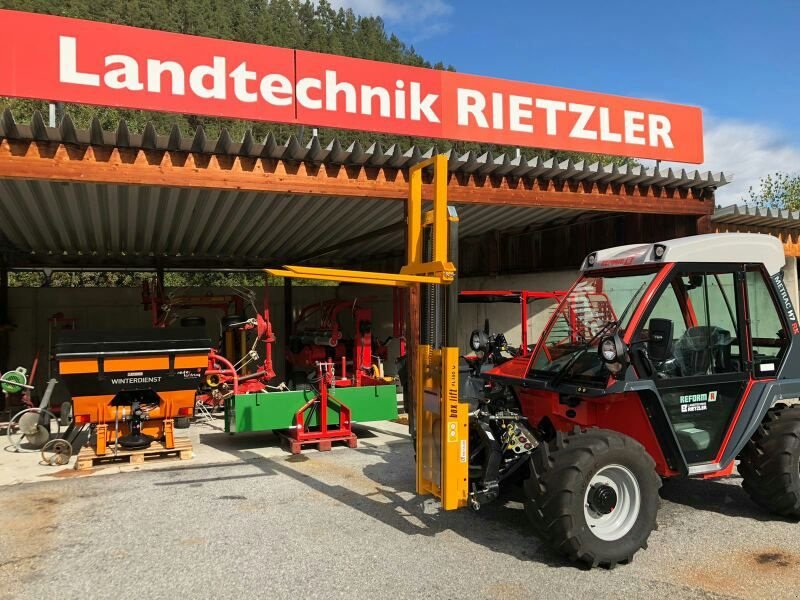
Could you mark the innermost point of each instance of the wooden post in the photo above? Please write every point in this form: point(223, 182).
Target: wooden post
point(704, 224)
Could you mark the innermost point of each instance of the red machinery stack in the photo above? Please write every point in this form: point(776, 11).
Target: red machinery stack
point(233, 364)
point(318, 337)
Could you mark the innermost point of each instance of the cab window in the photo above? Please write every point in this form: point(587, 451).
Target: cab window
point(702, 310)
point(766, 329)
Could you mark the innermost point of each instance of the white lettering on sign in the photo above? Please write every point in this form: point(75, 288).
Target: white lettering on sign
point(208, 81)
point(584, 112)
point(68, 60)
point(156, 70)
point(220, 78)
point(131, 380)
point(520, 114)
point(579, 121)
point(304, 87)
point(241, 76)
point(471, 103)
point(551, 109)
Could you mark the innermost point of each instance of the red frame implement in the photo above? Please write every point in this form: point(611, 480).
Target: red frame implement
point(322, 434)
point(524, 297)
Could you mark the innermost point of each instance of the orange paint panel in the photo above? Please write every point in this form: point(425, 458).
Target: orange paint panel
point(191, 361)
point(72, 367)
point(150, 363)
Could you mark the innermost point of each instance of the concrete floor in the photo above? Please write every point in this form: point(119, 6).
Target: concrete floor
point(243, 519)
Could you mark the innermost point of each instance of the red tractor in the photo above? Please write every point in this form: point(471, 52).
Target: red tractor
point(663, 360)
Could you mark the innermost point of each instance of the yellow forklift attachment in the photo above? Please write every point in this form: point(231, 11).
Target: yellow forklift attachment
point(440, 421)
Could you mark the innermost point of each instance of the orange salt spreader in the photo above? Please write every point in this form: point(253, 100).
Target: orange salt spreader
point(131, 385)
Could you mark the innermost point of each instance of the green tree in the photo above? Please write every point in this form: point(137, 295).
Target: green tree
point(777, 190)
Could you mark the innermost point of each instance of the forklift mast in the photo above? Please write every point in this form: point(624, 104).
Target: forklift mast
point(442, 429)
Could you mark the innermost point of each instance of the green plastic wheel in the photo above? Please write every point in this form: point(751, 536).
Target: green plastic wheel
point(14, 380)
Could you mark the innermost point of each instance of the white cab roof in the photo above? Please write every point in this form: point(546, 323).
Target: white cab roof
point(710, 248)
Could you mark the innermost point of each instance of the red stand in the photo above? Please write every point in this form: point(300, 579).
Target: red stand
point(321, 435)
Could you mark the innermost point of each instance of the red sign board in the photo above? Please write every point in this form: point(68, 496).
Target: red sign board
point(56, 58)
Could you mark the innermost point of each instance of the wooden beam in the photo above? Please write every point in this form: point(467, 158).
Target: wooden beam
point(49, 161)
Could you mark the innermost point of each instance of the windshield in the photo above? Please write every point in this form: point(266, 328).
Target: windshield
point(598, 304)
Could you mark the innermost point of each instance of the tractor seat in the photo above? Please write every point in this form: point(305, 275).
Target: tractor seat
point(692, 438)
point(703, 350)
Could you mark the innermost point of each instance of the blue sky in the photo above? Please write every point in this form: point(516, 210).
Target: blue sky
point(738, 60)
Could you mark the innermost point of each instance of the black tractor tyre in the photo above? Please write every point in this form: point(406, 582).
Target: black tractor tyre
point(770, 462)
point(182, 422)
point(557, 491)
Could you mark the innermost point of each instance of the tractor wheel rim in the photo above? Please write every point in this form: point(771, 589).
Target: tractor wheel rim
point(612, 502)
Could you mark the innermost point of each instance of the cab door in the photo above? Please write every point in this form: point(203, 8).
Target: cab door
point(703, 379)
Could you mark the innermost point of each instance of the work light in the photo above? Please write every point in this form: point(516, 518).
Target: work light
point(478, 341)
point(613, 353)
point(609, 350)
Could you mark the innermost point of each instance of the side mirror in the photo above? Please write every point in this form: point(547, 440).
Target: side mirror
point(659, 344)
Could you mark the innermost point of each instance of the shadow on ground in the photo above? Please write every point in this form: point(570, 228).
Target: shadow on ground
point(721, 496)
point(392, 500)
point(501, 526)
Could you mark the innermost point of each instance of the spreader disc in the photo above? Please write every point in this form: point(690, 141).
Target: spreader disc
point(56, 453)
point(29, 423)
point(38, 439)
point(136, 442)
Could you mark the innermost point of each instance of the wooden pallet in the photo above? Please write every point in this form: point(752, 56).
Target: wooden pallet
point(296, 447)
point(88, 458)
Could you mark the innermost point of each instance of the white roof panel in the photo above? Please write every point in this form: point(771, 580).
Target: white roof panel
point(710, 248)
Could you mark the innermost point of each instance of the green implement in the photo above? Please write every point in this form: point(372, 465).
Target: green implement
point(268, 411)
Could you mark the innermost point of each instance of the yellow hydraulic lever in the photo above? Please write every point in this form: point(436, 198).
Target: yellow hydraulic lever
point(442, 430)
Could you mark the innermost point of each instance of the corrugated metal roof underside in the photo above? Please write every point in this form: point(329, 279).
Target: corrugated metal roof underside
point(120, 224)
point(356, 154)
point(754, 216)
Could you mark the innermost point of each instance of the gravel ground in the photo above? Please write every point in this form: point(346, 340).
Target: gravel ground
point(347, 524)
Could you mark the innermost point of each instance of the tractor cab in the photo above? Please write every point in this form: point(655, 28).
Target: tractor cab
point(692, 324)
point(667, 359)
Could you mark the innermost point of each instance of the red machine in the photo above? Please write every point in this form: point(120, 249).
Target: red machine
point(225, 377)
point(318, 337)
point(664, 360)
point(311, 421)
point(231, 364)
point(166, 309)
